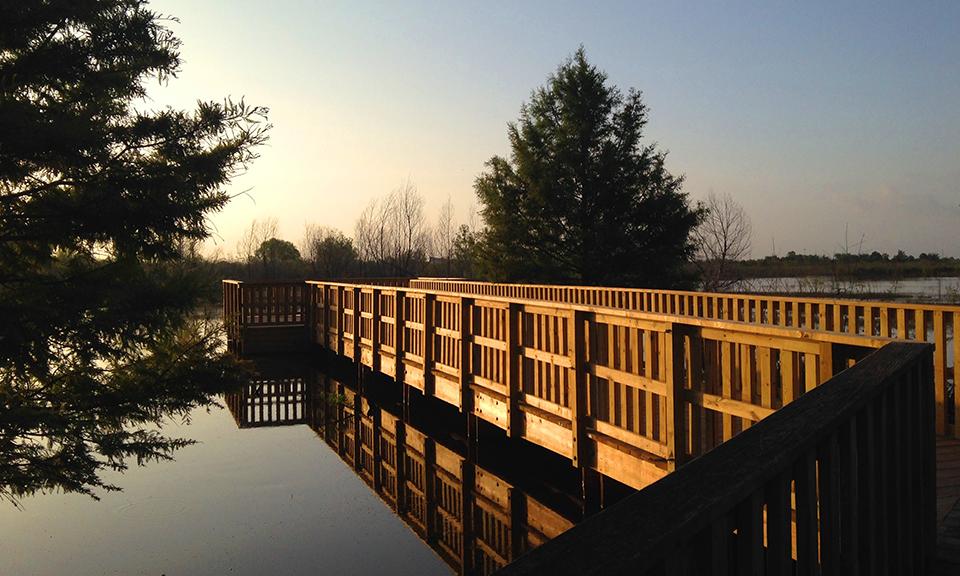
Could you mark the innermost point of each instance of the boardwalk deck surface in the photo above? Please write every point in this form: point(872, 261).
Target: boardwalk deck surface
point(948, 507)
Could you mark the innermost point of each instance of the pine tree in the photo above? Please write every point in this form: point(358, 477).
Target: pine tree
point(99, 196)
point(581, 199)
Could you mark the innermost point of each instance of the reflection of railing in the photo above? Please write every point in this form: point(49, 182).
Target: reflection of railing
point(630, 394)
point(936, 324)
point(270, 402)
point(842, 481)
point(476, 520)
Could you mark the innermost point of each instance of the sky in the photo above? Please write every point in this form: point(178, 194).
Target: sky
point(834, 124)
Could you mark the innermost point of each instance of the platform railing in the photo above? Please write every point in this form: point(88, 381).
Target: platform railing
point(631, 394)
point(932, 323)
point(840, 481)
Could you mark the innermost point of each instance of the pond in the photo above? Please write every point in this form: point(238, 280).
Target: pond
point(275, 485)
point(924, 289)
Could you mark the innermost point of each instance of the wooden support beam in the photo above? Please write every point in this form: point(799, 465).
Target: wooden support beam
point(512, 372)
point(429, 325)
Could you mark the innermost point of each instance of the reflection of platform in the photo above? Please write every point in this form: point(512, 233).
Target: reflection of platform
point(472, 518)
point(476, 520)
point(277, 402)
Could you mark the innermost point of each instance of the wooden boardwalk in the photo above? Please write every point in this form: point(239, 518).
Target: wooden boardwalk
point(948, 508)
point(630, 384)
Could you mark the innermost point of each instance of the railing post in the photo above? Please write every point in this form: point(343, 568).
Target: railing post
point(512, 374)
point(307, 308)
point(428, 335)
point(398, 309)
point(576, 350)
point(676, 440)
point(356, 324)
point(375, 330)
point(826, 367)
point(341, 315)
point(326, 315)
point(466, 338)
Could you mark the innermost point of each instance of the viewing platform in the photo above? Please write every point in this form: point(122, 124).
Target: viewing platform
point(853, 472)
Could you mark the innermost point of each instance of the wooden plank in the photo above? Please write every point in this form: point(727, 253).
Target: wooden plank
point(547, 357)
point(736, 408)
point(634, 380)
point(627, 437)
point(753, 339)
point(490, 343)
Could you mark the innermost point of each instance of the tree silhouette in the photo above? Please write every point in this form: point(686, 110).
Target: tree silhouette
point(99, 199)
point(581, 199)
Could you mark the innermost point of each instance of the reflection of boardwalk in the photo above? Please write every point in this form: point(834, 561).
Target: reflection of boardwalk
point(635, 384)
point(476, 520)
point(948, 507)
point(269, 403)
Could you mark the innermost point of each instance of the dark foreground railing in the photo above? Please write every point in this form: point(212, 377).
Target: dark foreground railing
point(841, 481)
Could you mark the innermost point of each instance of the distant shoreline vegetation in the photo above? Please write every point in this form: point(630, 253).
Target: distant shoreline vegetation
point(873, 266)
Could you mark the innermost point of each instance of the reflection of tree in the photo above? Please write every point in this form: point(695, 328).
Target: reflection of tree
point(100, 201)
point(63, 432)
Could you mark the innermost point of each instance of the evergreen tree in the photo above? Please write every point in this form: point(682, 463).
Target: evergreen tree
point(99, 198)
point(581, 199)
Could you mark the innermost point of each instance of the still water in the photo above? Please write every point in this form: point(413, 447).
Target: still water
point(926, 289)
point(286, 479)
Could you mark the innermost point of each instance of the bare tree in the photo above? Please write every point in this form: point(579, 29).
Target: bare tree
point(258, 233)
point(373, 234)
point(412, 236)
point(330, 253)
point(444, 235)
point(723, 237)
point(391, 235)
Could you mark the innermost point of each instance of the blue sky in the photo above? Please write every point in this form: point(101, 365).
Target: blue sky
point(817, 117)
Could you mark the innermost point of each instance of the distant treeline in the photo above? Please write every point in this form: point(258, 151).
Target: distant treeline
point(874, 266)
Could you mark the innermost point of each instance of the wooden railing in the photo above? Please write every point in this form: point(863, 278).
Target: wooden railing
point(630, 394)
point(935, 324)
point(841, 481)
point(279, 306)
